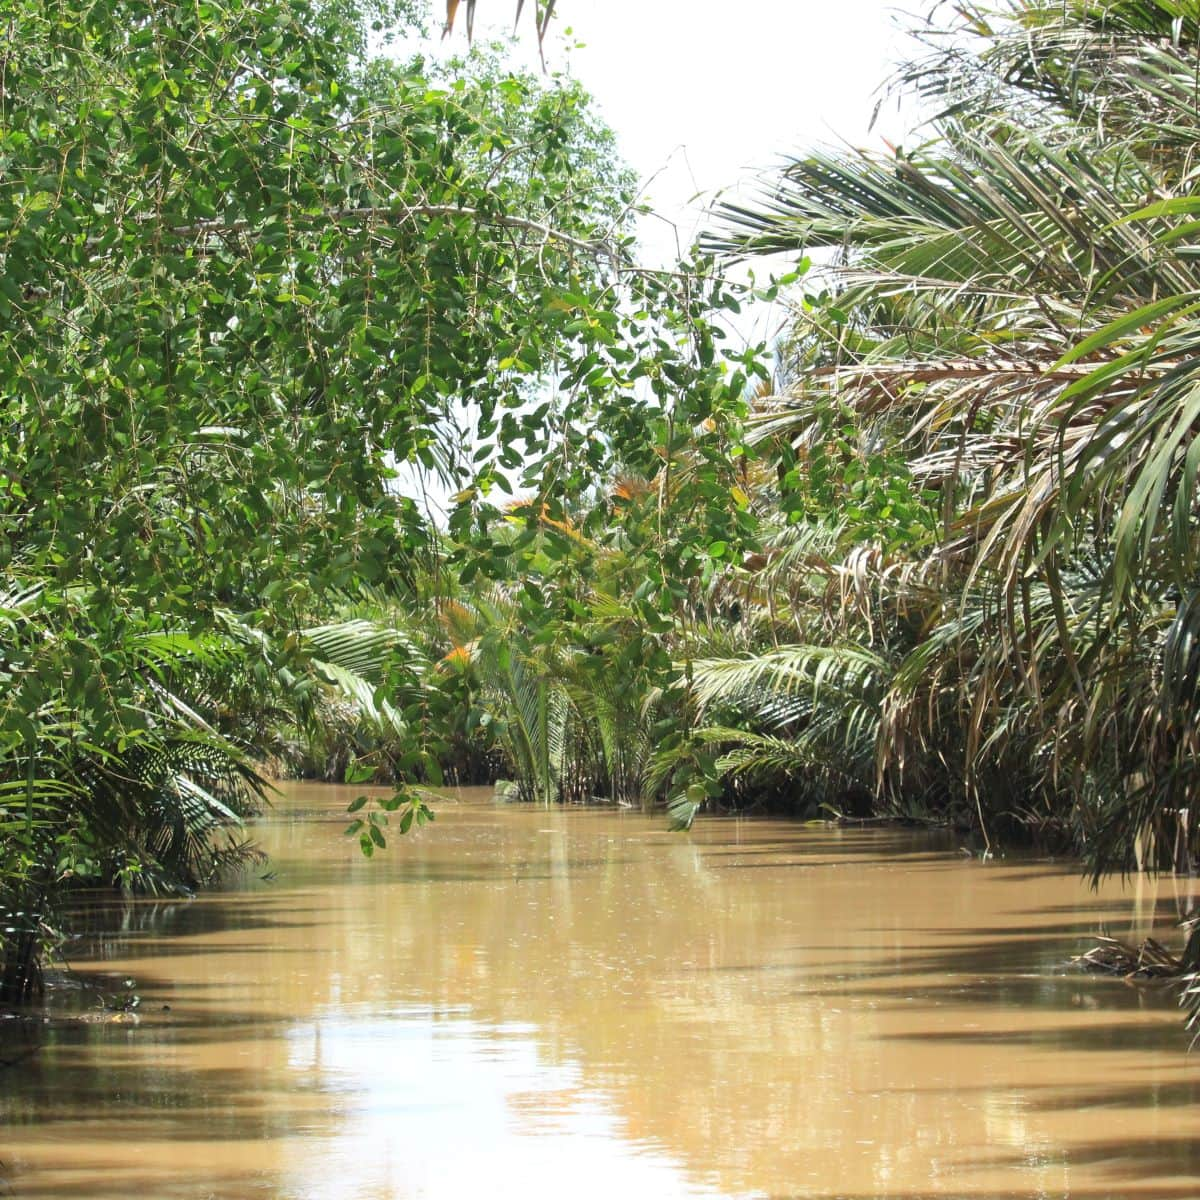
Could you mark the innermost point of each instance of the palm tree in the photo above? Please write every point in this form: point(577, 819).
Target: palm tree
point(1010, 309)
point(158, 801)
point(143, 792)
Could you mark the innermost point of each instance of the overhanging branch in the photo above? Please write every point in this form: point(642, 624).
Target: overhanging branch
point(548, 233)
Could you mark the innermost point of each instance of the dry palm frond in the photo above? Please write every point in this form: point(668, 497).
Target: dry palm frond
point(1150, 960)
point(543, 12)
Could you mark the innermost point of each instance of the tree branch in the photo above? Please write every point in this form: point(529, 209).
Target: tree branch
point(596, 249)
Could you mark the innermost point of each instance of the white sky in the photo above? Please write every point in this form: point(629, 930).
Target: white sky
point(702, 92)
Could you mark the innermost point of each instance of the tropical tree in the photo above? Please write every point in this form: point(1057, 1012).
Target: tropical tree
point(245, 274)
point(1004, 316)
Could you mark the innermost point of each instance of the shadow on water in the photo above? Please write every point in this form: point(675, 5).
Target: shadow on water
point(1113, 1037)
point(984, 954)
point(191, 1076)
point(1123, 1157)
point(994, 968)
point(1184, 1190)
point(130, 1182)
point(114, 1084)
point(911, 860)
point(1173, 1094)
point(170, 928)
point(1165, 907)
point(1033, 993)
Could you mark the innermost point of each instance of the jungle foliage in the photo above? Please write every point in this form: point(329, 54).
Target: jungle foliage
point(946, 568)
point(936, 561)
point(1005, 329)
point(248, 275)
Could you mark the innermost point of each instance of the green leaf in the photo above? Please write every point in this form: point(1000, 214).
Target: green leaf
point(1131, 322)
point(357, 772)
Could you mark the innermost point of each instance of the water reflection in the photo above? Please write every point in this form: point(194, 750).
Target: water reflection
point(441, 1105)
point(525, 1002)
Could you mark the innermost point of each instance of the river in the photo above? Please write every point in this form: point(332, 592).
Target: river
point(516, 1002)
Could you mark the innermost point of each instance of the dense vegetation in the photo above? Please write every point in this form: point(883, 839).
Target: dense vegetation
point(251, 275)
point(994, 390)
point(936, 560)
point(956, 577)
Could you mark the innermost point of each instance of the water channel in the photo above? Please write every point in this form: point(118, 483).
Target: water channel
point(518, 1002)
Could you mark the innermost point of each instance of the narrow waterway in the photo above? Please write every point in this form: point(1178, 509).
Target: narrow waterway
point(526, 1003)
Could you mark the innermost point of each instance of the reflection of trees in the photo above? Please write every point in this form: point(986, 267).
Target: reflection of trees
point(824, 1012)
point(760, 1006)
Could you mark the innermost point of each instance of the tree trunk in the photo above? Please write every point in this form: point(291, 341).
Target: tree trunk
point(20, 969)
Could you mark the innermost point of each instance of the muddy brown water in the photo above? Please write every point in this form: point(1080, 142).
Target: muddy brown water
point(527, 1003)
